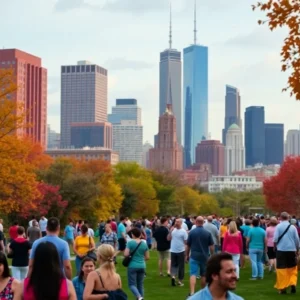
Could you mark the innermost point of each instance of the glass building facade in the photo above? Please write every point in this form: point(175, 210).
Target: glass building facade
point(255, 135)
point(195, 105)
point(274, 141)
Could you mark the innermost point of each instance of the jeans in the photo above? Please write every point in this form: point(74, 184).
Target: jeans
point(136, 281)
point(19, 273)
point(78, 264)
point(236, 261)
point(177, 265)
point(256, 256)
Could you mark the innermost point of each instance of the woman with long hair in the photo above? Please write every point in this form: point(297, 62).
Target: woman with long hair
point(104, 281)
point(270, 231)
point(47, 281)
point(87, 266)
point(9, 287)
point(233, 244)
point(82, 245)
point(223, 229)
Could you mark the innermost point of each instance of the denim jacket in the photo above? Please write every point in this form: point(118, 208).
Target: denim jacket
point(79, 286)
point(206, 295)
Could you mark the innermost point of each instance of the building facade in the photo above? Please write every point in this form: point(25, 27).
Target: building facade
point(91, 135)
point(255, 135)
point(196, 174)
point(53, 139)
point(146, 156)
point(232, 109)
point(234, 150)
point(83, 97)
point(211, 152)
point(86, 154)
point(31, 79)
point(167, 155)
point(237, 183)
point(195, 95)
point(274, 144)
point(292, 144)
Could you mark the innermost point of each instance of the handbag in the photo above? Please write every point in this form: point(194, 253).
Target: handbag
point(91, 254)
point(126, 261)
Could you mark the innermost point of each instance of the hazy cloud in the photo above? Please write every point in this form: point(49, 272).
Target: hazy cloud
point(66, 5)
point(53, 84)
point(126, 64)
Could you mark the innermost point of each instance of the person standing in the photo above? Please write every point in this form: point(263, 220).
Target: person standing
point(199, 244)
point(121, 235)
point(70, 234)
point(43, 225)
point(109, 237)
point(163, 245)
point(33, 218)
point(286, 241)
point(34, 232)
point(53, 229)
point(178, 237)
point(13, 231)
point(221, 279)
point(210, 227)
point(257, 245)
point(270, 243)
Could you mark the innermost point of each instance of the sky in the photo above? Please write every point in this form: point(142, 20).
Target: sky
point(126, 37)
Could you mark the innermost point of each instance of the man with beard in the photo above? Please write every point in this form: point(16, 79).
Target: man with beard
point(221, 279)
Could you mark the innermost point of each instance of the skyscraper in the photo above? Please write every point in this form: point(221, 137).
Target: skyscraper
point(292, 145)
point(274, 141)
point(232, 109)
point(167, 154)
point(255, 135)
point(83, 97)
point(127, 130)
point(170, 83)
point(234, 150)
point(211, 152)
point(31, 79)
point(195, 84)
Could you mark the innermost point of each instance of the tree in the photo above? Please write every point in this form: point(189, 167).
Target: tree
point(285, 13)
point(208, 205)
point(282, 192)
point(187, 200)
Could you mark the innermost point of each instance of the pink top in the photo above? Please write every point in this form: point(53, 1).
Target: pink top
point(63, 293)
point(270, 236)
point(233, 243)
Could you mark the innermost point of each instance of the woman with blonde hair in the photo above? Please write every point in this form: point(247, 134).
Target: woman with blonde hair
point(233, 244)
point(104, 282)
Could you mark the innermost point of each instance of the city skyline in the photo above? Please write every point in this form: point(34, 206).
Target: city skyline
point(246, 61)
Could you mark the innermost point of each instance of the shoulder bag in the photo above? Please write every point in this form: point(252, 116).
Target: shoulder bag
point(127, 259)
point(283, 234)
point(91, 253)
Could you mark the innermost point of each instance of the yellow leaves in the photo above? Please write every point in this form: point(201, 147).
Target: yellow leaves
point(187, 200)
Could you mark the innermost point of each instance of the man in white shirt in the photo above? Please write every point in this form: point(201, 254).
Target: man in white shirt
point(1, 225)
point(43, 225)
point(178, 237)
point(91, 232)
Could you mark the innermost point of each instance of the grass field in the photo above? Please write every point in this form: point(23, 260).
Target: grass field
point(157, 287)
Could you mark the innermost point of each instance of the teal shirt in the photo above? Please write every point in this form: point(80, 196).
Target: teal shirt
point(121, 229)
point(246, 229)
point(257, 238)
point(138, 259)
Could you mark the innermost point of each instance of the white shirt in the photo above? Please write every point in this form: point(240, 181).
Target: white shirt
point(43, 224)
point(1, 227)
point(91, 232)
point(184, 226)
point(179, 236)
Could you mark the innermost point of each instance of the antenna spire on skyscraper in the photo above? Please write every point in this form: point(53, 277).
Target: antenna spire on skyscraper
point(195, 22)
point(170, 33)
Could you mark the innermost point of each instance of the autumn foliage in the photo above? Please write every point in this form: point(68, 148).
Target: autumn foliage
point(282, 192)
point(286, 13)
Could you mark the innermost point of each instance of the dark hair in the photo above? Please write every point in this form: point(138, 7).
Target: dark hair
point(84, 229)
point(46, 276)
point(3, 261)
point(136, 232)
point(122, 218)
point(16, 223)
point(80, 276)
point(80, 222)
point(255, 222)
point(20, 230)
point(163, 220)
point(214, 265)
point(53, 224)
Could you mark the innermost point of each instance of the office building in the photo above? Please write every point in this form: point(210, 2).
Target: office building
point(53, 139)
point(274, 144)
point(232, 110)
point(211, 152)
point(195, 95)
point(98, 134)
point(234, 150)
point(255, 135)
point(146, 156)
point(83, 97)
point(127, 130)
point(170, 77)
point(167, 155)
point(31, 94)
point(196, 175)
point(292, 144)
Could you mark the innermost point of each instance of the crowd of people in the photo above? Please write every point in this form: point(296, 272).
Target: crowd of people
point(215, 249)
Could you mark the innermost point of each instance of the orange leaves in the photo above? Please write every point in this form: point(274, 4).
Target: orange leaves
point(286, 13)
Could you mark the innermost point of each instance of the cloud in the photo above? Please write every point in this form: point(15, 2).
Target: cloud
point(66, 5)
point(126, 64)
point(135, 6)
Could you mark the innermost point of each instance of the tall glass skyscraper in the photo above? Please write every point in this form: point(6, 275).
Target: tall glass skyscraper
point(274, 140)
point(255, 135)
point(232, 110)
